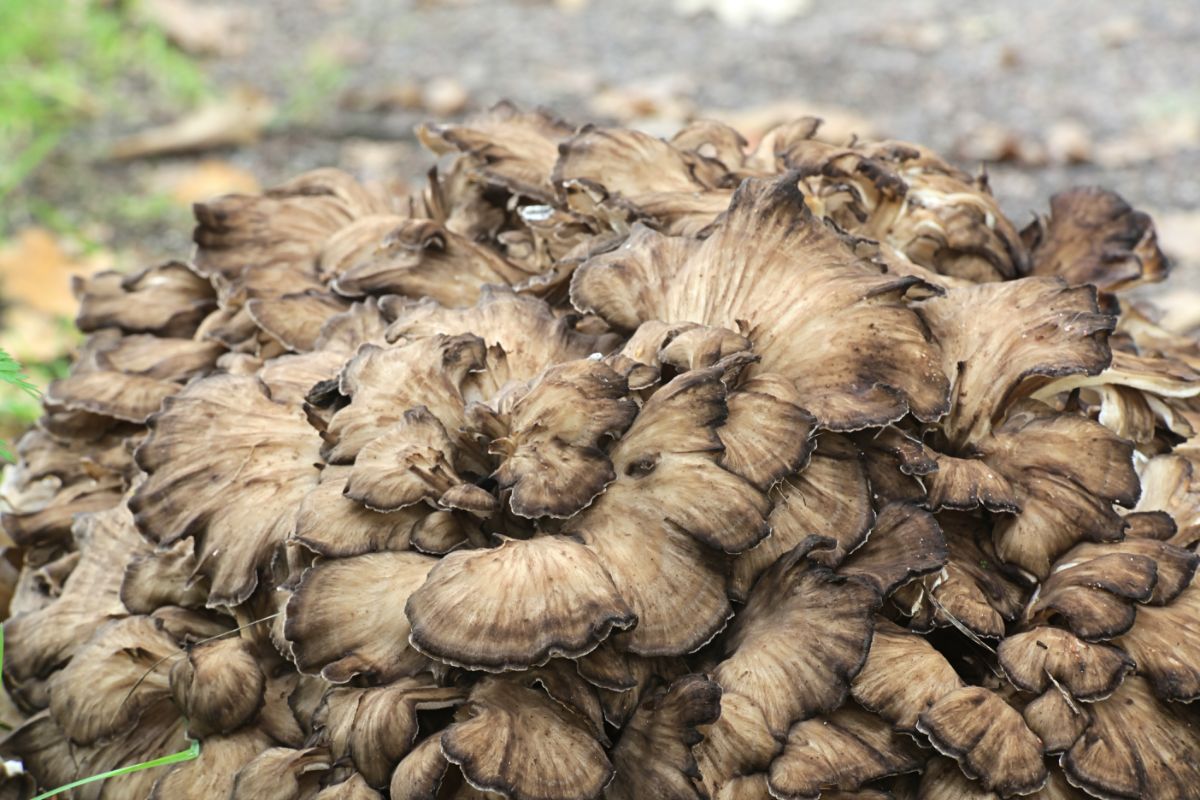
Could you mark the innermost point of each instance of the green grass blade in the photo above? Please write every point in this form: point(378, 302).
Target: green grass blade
point(193, 751)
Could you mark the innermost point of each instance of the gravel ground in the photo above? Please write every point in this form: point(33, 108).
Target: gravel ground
point(956, 75)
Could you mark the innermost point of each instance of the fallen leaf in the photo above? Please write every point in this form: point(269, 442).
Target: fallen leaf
point(838, 127)
point(740, 13)
point(992, 142)
point(194, 183)
point(236, 119)
point(444, 97)
point(1159, 137)
point(1069, 142)
point(35, 272)
point(199, 29)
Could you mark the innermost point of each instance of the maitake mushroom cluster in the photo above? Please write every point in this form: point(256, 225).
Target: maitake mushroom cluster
point(609, 466)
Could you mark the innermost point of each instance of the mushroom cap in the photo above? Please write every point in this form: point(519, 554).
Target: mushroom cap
point(218, 685)
point(988, 738)
point(211, 773)
point(520, 743)
point(905, 543)
point(516, 605)
point(220, 495)
point(802, 637)
point(332, 620)
point(879, 366)
point(902, 677)
point(1042, 658)
point(1165, 644)
point(843, 751)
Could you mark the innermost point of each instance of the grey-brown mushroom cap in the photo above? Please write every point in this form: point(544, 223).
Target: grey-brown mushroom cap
point(336, 620)
point(988, 738)
point(211, 774)
point(840, 751)
point(520, 743)
point(516, 605)
point(903, 676)
point(238, 499)
point(654, 755)
point(1042, 658)
point(878, 366)
point(801, 638)
point(218, 686)
point(281, 773)
point(1165, 643)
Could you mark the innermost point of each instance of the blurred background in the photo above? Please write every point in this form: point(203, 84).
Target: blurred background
point(116, 115)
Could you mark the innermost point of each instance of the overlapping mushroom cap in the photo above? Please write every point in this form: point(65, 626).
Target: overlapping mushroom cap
point(611, 466)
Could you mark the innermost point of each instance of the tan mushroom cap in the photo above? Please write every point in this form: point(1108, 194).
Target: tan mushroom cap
point(1093, 236)
point(295, 319)
point(375, 727)
point(281, 773)
point(656, 527)
point(1165, 643)
point(842, 750)
point(971, 591)
point(506, 147)
point(1044, 658)
point(553, 461)
point(1067, 471)
point(1095, 594)
point(353, 788)
point(830, 497)
point(768, 434)
point(158, 357)
point(903, 676)
point(1136, 746)
point(1056, 719)
point(516, 605)
point(419, 258)
point(110, 686)
point(334, 618)
point(331, 524)
point(737, 744)
point(654, 755)
point(878, 366)
point(411, 460)
point(211, 774)
point(1170, 484)
point(1049, 330)
point(163, 577)
point(520, 743)
point(905, 543)
point(803, 635)
point(383, 383)
point(419, 775)
point(988, 738)
point(239, 500)
point(130, 398)
point(166, 300)
point(526, 328)
point(218, 686)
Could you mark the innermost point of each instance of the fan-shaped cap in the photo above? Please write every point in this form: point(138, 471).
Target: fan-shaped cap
point(1043, 658)
point(842, 751)
point(1095, 594)
point(943, 780)
point(281, 773)
point(211, 773)
point(331, 524)
point(335, 621)
point(905, 543)
point(238, 499)
point(166, 300)
point(218, 685)
point(295, 320)
point(553, 461)
point(830, 497)
point(1056, 719)
point(654, 754)
point(520, 743)
point(382, 383)
point(803, 635)
point(768, 434)
point(903, 676)
point(419, 258)
point(375, 727)
point(353, 788)
point(419, 775)
point(1093, 236)
point(1165, 643)
point(516, 605)
point(105, 690)
point(163, 577)
point(1136, 746)
point(1049, 329)
point(879, 366)
point(507, 147)
point(988, 738)
point(739, 743)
